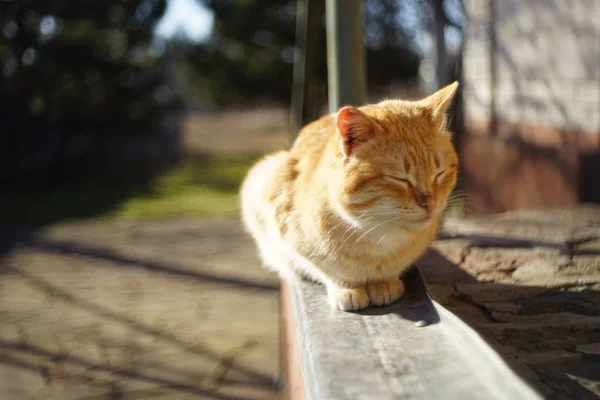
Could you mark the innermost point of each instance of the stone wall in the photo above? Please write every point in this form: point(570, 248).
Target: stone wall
point(531, 98)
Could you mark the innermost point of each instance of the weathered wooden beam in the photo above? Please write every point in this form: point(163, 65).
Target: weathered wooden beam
point(414, 349)
point(291, 362)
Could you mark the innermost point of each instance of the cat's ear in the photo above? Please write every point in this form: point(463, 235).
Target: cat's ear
point(353, 127)
point(437, 105)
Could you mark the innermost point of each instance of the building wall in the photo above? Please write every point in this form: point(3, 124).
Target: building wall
point(531, 101)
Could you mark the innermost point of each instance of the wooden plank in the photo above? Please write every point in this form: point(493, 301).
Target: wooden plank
point(292, 367)
point(413, 349)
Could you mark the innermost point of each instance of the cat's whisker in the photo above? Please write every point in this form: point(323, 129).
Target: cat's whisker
point(359, 222)
point(459, 196)
point(465, 200)
point(370, 230)
point(349, 230)
point(352, 228)
point(343, 221)
point(455, 201)
point(385, 234)
point(384, 222)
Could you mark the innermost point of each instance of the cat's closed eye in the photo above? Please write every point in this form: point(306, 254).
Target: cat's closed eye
point(401, 180)
point(440, 174)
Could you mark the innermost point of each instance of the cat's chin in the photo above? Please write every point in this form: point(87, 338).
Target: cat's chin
point(419, 224)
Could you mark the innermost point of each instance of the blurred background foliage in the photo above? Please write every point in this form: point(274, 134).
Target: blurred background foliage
point(251, 51)
point(76, 72)
point(92, 95)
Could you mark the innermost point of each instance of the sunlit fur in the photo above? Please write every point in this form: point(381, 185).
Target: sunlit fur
point(345, 206)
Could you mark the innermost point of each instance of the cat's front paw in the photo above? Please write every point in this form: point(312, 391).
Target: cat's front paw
point(384, 293)
point(349, 299)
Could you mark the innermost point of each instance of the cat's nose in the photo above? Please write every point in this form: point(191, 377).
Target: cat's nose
point(427, 202)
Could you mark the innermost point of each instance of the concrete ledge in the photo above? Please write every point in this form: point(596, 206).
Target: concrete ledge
point(413, 349)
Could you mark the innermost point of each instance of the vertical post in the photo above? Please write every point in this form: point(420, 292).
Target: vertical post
point(493, 70)
point(439, 24)
point(308, 24)
point(346, 64)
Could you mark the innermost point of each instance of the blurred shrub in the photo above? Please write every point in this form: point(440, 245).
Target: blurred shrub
point(251, 52)
point(75, 72)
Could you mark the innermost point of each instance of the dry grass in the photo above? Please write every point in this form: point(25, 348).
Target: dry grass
point(200, 185)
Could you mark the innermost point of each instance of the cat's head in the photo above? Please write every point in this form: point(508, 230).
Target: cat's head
point(397, 160)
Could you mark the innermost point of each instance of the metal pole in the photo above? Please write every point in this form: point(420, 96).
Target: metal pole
point(346, 64)
point(308, 24)
point(493, 70)
point(440, 44)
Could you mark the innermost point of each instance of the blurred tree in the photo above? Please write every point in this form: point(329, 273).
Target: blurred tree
point(251, 51)
point(81, 69)
point(443, 20)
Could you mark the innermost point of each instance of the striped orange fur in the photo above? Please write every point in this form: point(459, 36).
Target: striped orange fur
point(357, 199)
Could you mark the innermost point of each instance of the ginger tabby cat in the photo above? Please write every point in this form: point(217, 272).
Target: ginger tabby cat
point(357, 199)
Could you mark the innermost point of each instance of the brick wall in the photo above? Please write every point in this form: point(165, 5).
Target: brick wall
point(531, 101)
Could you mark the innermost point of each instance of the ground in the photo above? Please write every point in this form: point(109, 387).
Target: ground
point(529, 282)
point(155, 291)
point(169, 309)
point(127, 289)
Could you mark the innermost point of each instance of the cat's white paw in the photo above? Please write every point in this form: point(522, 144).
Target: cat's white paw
point(349, 299)
point(384, 293)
